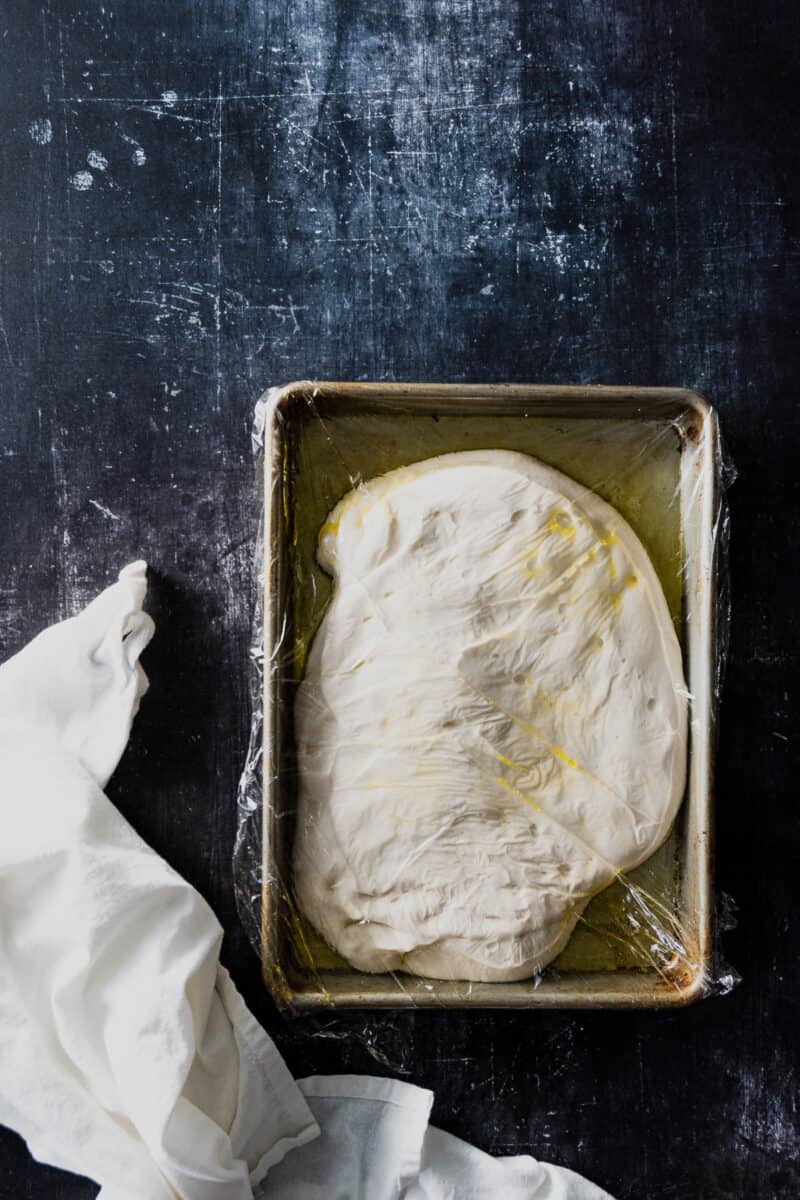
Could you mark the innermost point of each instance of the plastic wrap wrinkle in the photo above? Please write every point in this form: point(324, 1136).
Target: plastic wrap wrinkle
point(660, 465)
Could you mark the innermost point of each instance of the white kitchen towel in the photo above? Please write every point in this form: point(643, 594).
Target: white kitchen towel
point(126, 1053)
point(376, 1144)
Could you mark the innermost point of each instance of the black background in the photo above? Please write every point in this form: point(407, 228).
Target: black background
point(549, 191)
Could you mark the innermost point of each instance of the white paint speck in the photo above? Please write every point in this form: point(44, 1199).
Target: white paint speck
point(139, 158)
point(488, 290)
point(97, 161)
point(169, 97)
point(82, 181)
point(41, 131)
point(106, 266)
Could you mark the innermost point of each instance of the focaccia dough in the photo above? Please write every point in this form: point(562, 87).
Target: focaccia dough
point(492, 723)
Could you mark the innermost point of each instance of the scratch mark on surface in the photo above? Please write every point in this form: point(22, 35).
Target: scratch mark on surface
point(218, 255)
point(66, 567)
point(371, 230)
point(674, 150)
point(351, 164)
point(6, 342)
point(138, 158)
point(101, 508)
point(643, 1099)
point(288, 312)
point(158, 111)
point(65, 111)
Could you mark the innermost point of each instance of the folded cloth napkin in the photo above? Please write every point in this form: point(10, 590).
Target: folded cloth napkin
point(126, 1052)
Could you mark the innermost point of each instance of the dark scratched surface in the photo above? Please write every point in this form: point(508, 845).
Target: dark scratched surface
point(203, 198)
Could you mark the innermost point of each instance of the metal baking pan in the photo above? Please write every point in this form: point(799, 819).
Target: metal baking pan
point(654, 454)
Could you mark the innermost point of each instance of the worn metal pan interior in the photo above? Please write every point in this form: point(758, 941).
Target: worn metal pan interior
point(292, 982)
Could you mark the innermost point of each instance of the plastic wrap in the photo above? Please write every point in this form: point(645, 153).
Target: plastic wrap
point(647, 936)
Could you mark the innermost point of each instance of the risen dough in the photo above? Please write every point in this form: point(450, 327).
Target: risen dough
point(492, 722)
